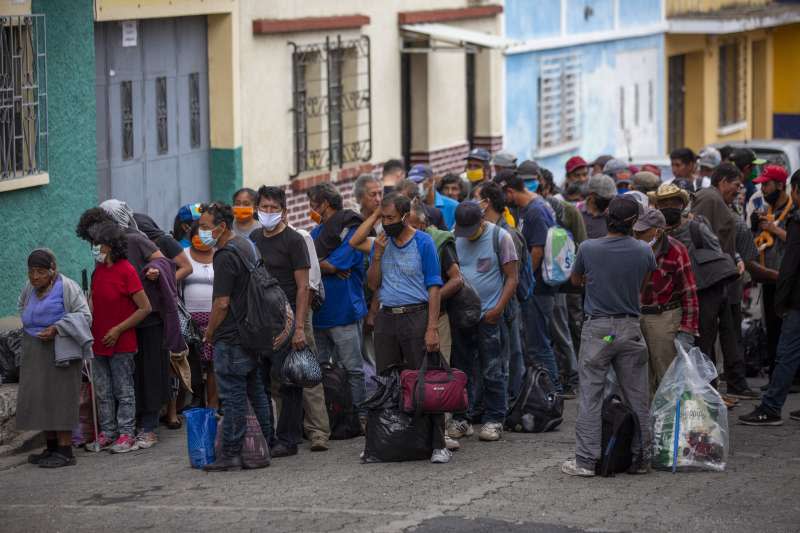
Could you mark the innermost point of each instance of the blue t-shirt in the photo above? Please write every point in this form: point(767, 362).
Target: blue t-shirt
point(534, 221)
point(344, 298)
point(447, 206)
point(408, 272)
point(481, 266)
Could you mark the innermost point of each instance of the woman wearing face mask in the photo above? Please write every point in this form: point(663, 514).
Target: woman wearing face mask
point(244, 208)
point(119, 303)
point(51, 305)
point(197, 295)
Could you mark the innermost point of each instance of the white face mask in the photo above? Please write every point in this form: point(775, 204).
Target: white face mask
point(269, 220)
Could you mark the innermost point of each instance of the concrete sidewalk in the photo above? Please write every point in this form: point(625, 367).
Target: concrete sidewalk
point(511, 485)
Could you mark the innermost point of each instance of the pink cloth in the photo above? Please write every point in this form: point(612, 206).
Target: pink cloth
point(207, 351)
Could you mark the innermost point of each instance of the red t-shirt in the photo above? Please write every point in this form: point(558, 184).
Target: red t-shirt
point(112, 288)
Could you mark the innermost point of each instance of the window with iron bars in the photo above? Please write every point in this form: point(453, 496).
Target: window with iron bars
point(23, 96)
point(331, 103)
point(558, 101)
point(732, 83)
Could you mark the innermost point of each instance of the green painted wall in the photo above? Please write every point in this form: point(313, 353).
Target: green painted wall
point(226, 173)
point(46, 216)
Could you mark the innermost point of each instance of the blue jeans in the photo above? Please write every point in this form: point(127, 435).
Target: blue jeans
point(239, 379)
point(562, 342)
point(516, 358)
point(787, 361)
point(113, 382)
point(483, 357)
point(539, 348)
point(343, 345)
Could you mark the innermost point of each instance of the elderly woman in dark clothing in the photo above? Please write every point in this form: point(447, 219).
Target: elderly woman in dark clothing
point(49, 386)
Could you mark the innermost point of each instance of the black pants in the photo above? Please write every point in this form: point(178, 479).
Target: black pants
point(772, 322)
point(400, 343)
point(716, 317)
point(289, 426)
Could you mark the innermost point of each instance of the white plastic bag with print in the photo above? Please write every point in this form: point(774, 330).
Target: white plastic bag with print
point(690, 420)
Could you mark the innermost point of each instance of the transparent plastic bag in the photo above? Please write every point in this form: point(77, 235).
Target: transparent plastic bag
point(690, 420)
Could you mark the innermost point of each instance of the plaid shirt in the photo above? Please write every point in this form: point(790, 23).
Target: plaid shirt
point(673, 279)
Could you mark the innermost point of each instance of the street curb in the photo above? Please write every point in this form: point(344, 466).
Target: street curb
point(22, 443)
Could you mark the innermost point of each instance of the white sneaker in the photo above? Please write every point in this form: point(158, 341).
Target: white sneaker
point(457, 429)
point(441, 456)
point(491, 431)
point(571, 468)
point(451, 444)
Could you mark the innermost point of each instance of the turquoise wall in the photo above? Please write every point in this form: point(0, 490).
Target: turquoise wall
point(46, 216)
point(226, 173)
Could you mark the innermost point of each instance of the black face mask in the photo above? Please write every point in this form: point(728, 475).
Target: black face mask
point(672, 215)
point(773, 197)
point(601, 203)
point(393, 230)
point(388, 189)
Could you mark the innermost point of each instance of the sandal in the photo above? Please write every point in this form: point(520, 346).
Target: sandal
point(57, 460)
point(177, 424)
point(35, 458)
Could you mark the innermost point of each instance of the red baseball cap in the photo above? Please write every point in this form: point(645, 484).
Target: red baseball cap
point(575, 162)
point(772, 173)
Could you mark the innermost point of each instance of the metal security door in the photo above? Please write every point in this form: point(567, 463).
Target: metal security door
point(152, 115)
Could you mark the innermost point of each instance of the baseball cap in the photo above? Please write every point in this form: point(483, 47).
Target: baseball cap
point(602, 160)
point(613, 166)
point(504, 159)
point(623, 209)
point(480, 154)
point(709, 157)
point(603, 186)
point(651, 218)
point(772, 173)
point(574, 163)
point(645, 181)
point(189, 213)
point(741, 157)
point(641, 199)
point(468, 219)
point(419, 173)
point(650, 167)
point(528, 169)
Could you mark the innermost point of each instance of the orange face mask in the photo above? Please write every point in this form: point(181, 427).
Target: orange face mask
point(197, 244)
point(242, 213)
point(316, 217)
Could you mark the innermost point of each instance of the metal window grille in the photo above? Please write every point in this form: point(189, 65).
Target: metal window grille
point(194, 109)
point(23, 96)
point(650, 98)
point(161, 115)
point(636, 105)
point(732, 82)
point(331, 103)
point(622, 108)
point(559, 100)
point(126, 104)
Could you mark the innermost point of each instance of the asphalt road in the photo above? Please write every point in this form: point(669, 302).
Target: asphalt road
point(513, 485)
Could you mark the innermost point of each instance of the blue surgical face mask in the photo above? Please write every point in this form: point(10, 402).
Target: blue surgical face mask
point(206, 237)
point(98, 255)
point(622, 190)
point(532, 185)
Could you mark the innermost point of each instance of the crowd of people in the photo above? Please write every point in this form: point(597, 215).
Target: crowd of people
point(660, 265)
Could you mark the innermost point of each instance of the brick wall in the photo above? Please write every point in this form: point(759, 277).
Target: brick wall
point(493, 143)
point(444, 160)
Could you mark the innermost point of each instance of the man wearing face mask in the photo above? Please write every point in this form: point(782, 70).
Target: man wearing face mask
point(600, 190)
point(669, 298)
point(422, 175)
point(478, 168)
point(404, 270)
point(770, 228)
point(284, 253)
point(712, 279)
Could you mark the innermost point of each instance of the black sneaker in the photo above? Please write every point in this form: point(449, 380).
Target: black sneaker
point(794, 415)
point(743, 394)
point(760, 417)
point(281, 450)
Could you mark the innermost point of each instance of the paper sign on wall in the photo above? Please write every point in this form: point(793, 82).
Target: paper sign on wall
point(130, 33)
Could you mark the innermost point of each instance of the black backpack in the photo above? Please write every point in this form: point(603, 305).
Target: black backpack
point(620, 430)
point(263, 312)
point(754, 338)
point(342, 414)
point(539, 407)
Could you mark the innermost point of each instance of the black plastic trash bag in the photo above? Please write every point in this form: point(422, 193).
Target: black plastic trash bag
point(342, 414)
point(302, 369)
point(393, 435)
point(10, 353)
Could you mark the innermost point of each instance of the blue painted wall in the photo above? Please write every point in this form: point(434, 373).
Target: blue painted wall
point(585, 16)
point(639, 12)
point(532, 19)
point(600, 81)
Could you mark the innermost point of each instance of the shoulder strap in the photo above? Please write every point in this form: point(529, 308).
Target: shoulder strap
point(694, 231)
point(248, 264)
point(496, 245)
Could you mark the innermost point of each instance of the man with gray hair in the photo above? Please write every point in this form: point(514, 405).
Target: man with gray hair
point(368, 192)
